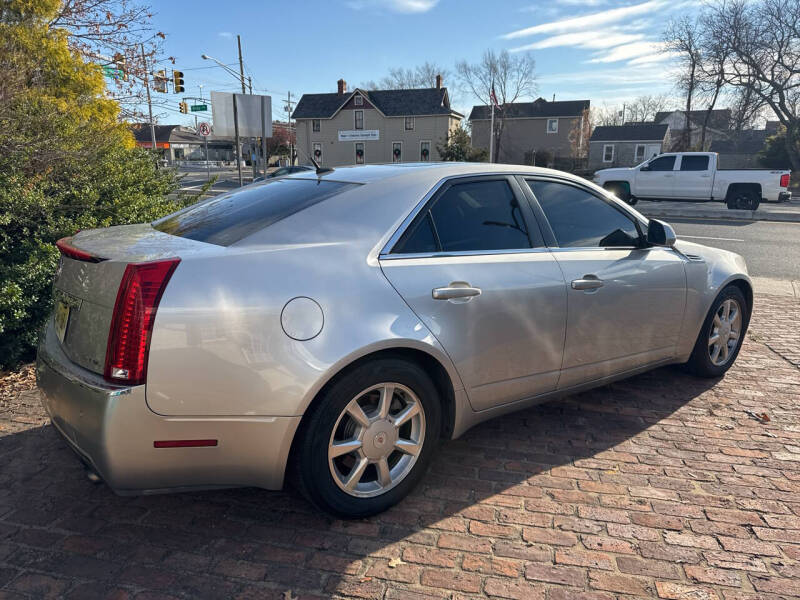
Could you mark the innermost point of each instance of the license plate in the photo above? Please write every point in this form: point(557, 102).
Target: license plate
point(61, 318)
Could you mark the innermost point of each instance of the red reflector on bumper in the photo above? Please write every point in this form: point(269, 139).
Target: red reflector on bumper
point(184, 443)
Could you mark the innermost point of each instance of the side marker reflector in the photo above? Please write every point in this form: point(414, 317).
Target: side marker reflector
point(184, 443)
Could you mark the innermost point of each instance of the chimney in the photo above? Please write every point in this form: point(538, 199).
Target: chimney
point(439, 81)
point(341, 86)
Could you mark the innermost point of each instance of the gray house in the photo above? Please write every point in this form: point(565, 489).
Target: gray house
point(626, 145)
point(531, 128)
point(374, 126)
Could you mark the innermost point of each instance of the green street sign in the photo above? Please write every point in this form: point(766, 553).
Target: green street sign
point(198, 107)
point(113, 72)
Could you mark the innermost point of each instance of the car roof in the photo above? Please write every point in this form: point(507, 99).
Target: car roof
point(418, 171)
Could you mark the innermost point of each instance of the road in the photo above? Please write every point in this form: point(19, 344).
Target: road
point(771, 249)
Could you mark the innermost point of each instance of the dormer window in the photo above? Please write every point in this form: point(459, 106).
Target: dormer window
point(358, 100)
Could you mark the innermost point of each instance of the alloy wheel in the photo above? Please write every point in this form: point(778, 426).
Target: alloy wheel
point(725, 332)
point(376, 440)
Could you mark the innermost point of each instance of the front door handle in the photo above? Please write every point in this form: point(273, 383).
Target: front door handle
point(587, 282)
point(457, 289)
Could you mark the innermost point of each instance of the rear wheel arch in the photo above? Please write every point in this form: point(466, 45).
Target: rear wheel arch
point(427, 362)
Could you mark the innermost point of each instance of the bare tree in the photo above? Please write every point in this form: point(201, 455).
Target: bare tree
point(645, 108)
point(606, 115)
point(681, 38)
point(399, 78)
point(764, 42)
point(113, 32)
point(513, 77)
point(579, 137)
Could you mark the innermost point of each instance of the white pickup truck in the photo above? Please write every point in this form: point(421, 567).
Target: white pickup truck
point(695, 176)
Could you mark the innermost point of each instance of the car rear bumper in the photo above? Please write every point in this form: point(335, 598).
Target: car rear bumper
point(784, 196)
point(114, 431)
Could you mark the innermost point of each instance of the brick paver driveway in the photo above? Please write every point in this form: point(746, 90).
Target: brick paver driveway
point(659, 486)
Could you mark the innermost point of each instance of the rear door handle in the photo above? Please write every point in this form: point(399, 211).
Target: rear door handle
point(457, 289)
point(587, 282)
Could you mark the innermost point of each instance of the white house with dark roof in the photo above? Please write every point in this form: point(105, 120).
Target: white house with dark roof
point(626, 145)
point(530, 128)
point(374, 126)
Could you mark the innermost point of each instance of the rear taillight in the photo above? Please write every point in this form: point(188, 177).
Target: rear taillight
point(132, 324)
point(785, 180)
point(66, 248)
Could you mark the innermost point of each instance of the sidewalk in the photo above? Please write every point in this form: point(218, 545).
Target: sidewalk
point(767, 211)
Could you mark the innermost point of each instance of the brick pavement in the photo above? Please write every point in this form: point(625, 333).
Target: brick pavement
point(658, 486)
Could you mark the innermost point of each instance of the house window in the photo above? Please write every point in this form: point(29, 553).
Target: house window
point(639, 155)
point(359, 153)
point(425, 151)
point(409, 123)
point(358, 117)
point(358, 100)
point(552, 125)
point(316, 150)
point(397, 152)
point(608, 153)
point(315, 125)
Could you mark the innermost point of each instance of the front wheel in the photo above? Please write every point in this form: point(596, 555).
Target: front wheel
point(369, 440)
point(722, 334)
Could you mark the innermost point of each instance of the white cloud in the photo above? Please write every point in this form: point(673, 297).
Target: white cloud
point(629, 52)
point(590, 21)
point(400, 6)
point(225, 34)
point(592, 40)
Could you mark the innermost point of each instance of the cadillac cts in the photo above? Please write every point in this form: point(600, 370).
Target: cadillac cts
point(331, 327)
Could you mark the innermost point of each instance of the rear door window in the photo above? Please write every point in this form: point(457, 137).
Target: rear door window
point(470, 216)
point(694, 163)
point(226, 219)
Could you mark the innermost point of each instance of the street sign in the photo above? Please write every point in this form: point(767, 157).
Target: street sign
point(198, 107)
point(113, 72)
point(204, 129)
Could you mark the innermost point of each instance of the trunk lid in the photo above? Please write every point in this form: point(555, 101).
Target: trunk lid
point(85, 291)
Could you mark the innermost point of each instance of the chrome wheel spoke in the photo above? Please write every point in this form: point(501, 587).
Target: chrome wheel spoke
point(717, 322)
point(384, 473)
point(734, 335)
point(338, 449)
point(385, 401)
point(408, 447)
point(357, 413)
point(715, 353)
point(713, 339)
point(408, 412)
point(354, 477)
point(724, 352)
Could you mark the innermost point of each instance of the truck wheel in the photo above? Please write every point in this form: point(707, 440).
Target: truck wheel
point(743, 199)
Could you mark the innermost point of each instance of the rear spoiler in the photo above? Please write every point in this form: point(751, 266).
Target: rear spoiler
point(66, 248)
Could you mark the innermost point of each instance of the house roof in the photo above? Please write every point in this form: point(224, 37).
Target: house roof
point(748, 141)
point(392, 103)
point(645, 132)
point(720, 117)
point(531, 110)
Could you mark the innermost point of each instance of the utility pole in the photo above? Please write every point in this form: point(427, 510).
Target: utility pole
point(236, 113)
point(254, 141)
point(289, 107)
point(241, 63)
point(149, 102)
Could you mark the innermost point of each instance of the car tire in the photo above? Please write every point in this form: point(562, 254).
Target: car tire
point(702, 361)
point(743, 200)
point(322, 474)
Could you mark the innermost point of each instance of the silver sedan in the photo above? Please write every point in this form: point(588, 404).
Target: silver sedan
point(331, 327)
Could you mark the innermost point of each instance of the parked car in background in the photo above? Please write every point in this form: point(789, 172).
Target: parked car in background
point(281, 171)
point(334, 326)
point(695, 176)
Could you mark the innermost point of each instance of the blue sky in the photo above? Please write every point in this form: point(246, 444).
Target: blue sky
point(604, 50)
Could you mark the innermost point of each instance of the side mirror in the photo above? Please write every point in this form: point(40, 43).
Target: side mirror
point(645, 168)
point(660, 233)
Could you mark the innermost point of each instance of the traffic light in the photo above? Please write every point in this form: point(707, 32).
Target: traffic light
point(160, 81)
point(121, 63)
point(177, 81)
point(184, 107)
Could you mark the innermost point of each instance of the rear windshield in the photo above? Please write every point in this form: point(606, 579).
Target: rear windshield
point(226, 219)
